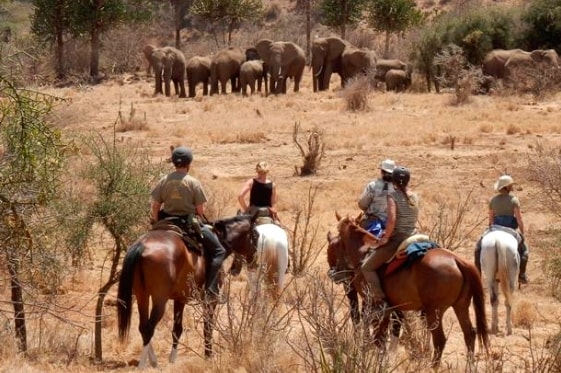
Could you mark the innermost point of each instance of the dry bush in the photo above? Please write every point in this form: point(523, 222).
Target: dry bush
point(356, 93)
point(304, 246)
point(452, 221)
point(132, 122)
point(544, 168)
point(538, 80)
point(512, 129)
point(77, 52)
point(314, 153)
point(122, 50)
point(245, 138)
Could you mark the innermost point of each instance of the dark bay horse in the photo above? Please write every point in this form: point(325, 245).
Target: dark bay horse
point(432, 284)
point(158, 267)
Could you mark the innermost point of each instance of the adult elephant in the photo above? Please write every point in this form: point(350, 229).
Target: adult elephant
point(224, 66)
point(326, 60)
point(263, 49)
point(355, 61)
point(250, 73)
point(198, 71)
point(287, 60)
point(169, 65)
point(384, 65)
point(397, 80)
point(495, 62)
point(147, 51)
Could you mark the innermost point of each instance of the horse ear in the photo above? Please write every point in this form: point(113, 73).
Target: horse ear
point(337, 216)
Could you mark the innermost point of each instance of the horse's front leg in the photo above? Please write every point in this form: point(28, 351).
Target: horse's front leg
point(397, 320)
point(209, 310)
point(178, 307)
point(352, 296)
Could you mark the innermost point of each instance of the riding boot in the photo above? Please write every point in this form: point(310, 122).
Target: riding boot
point(215, 255)
point(523, 251)
point(374, 286)
point(477, 255)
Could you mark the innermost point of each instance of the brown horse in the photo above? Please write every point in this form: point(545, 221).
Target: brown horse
point(432, 284)
point(159, 266)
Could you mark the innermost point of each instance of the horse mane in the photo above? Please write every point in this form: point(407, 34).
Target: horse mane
point(347, 221)
point(231, 220)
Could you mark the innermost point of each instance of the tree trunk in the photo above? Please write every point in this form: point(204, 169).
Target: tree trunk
point(308, 30)
point(17, 301)
point(177, 37)
point(59, 52)
point(387, 45)
point(96, 42)
point(98, 339)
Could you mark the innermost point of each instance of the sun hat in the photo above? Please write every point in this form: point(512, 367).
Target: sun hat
point(503, 182)
point(262, 167)
point(387, 165)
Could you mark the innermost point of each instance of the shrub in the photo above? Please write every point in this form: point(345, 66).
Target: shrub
point(356, 93)
point(314, 153)
point(543, 20)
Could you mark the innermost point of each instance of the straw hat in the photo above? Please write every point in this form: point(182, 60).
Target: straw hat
point(504, 181)
point(262, 167)
point(387, 165)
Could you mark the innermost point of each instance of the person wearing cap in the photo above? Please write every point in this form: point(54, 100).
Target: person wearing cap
point(262, 192)
point(504, 211)
point(179, 194)
point(373, 200)
point(402, 213)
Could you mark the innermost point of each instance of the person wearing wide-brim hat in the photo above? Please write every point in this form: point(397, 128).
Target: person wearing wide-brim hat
point(504, 210)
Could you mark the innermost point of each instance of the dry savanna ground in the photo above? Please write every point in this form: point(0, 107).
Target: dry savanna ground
point(455, 154)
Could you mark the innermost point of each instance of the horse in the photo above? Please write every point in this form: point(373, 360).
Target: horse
point(159, 266)
point(500, 261)
point(432, 284)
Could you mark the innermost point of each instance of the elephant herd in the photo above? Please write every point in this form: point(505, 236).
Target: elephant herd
point(272, 63)
point(506, 64)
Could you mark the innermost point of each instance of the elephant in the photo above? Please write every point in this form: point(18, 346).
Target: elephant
point(495, 62)
point(263, 49)
point(250, 72)
point(326, 60)
point(198, 71)
point(397, 80)
point(147, 51)
point(224, 66)
point(169, 64)
point(355, 61)
point(253, 54)
point(384, 65)
point(287, 60)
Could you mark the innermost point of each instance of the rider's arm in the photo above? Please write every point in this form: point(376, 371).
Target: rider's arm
point(245, 189)
point(518, 215)
point(200, 209)
point(365, 199)
point(155, 209)
point(491, 217)
point(390, 224)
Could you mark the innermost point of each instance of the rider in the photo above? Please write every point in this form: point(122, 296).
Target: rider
point(262, 192)
point(504, 210)
point(373, 200)
point(402, 216)
point(181, 195)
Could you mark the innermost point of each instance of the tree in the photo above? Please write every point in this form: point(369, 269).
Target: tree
point(341, 13)
point(32, 155)
point(94, 17)
point(392, 16)
point(50, 23)
point(180, 10)
point(543, 18)
point(225, 16)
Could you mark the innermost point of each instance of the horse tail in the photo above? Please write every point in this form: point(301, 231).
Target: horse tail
point(124, 292)
point(506, 283)
point(471, 275)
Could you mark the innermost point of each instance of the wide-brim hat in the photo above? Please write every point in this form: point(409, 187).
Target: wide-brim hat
point(504, 181)
point(387, 165)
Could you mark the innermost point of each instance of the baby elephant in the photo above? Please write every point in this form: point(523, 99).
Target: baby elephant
point(251, 71)
point(397, 80)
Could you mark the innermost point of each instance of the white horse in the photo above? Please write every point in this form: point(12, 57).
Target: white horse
point(500, 262)
point(271, 257)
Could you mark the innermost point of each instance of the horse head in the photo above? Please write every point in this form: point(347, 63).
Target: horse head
point(234, 234)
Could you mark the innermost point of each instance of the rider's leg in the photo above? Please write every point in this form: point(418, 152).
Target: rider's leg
point(523, 251)
point(215, 255)
point(373, 261)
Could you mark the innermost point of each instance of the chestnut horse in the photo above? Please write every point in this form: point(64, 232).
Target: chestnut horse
point(159, 266)
point(432, 284)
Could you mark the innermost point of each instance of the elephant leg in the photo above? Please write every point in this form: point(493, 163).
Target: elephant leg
point(223, 86)
point(182, 89)
point(259, 83)
point(191, 86)
point(252, 87)
point(167, 85)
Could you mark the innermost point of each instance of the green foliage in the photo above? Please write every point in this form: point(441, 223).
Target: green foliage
point(339, 13)
point(227, 15)
point(543, 18)
point(51, 17)
point(393, 16)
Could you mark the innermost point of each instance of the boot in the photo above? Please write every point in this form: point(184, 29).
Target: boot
point(523, 251)
point(477, 256)
point(212, 290)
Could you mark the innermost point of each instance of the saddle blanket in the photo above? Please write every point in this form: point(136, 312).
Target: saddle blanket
point(410, 250)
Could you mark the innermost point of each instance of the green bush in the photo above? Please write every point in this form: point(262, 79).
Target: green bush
point(543, 20)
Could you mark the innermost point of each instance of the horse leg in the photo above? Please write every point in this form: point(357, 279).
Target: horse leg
point(461, 309)
point(143, 302)
point(434, 323)
point(397, 320)
point(352, 295)
point(178, 308)
point(494, 290)
point(147, 327)
point(208, 328)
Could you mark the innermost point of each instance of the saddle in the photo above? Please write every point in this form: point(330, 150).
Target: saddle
point(187, 228)
point(411, 249)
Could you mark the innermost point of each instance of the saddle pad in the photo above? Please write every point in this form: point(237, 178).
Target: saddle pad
point(511, 231)
point(192, 244)
point(414, 251)
point(400, 252)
